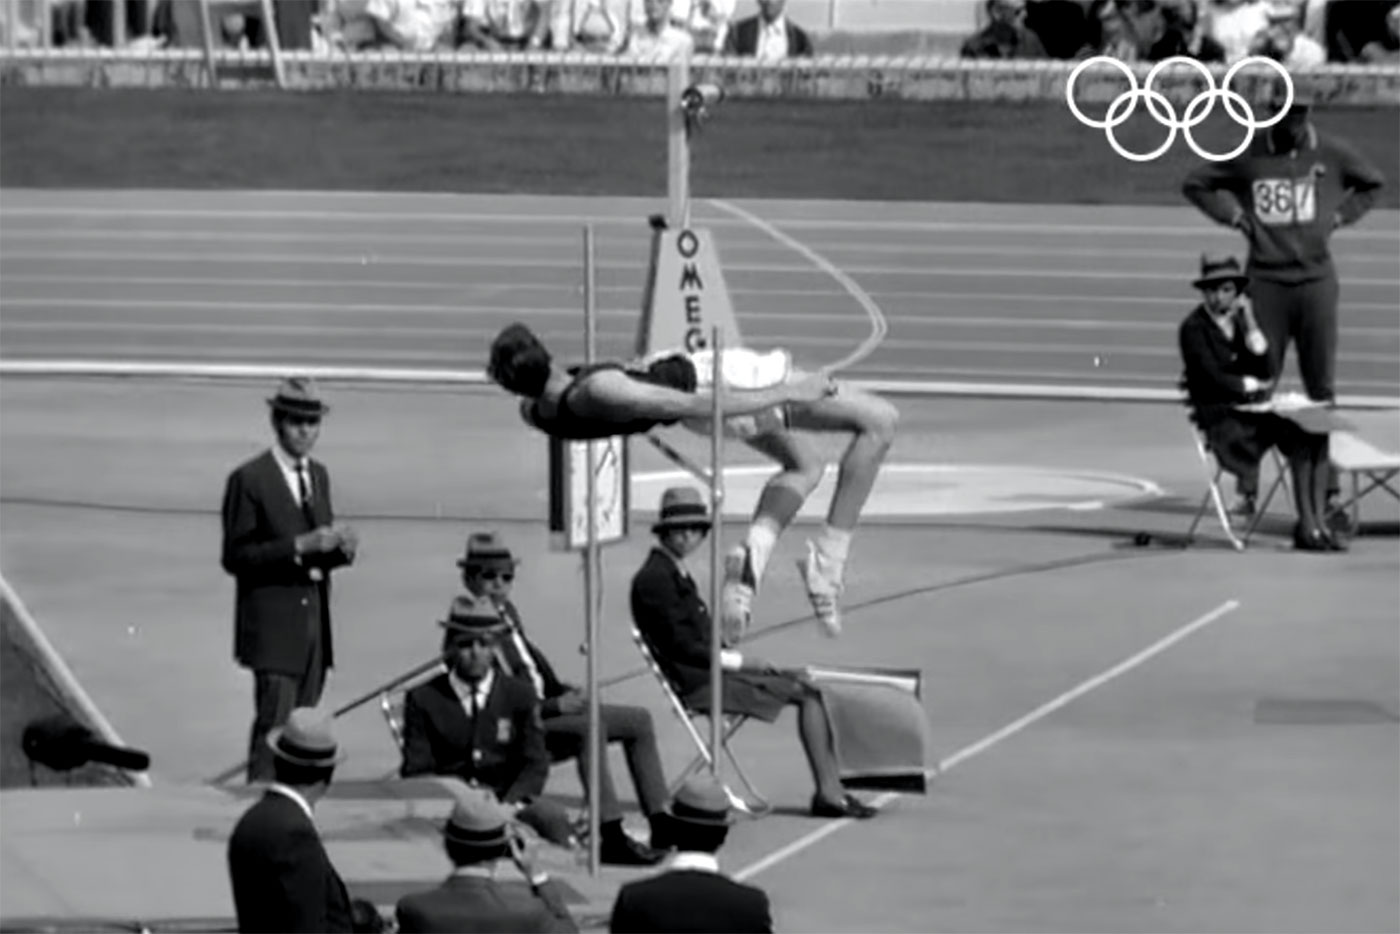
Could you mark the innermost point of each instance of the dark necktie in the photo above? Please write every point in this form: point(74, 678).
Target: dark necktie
point(304, 492)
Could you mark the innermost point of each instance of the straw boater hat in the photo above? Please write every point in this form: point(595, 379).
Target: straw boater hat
point(1220, 268)
point(477, 821)
point(305, 739)
point(470, 615)
point(486, 551)
point(682, 507)
point(701, 800)
point(298, 396)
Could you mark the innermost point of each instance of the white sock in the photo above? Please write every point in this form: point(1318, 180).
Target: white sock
point(763, 536)
point(834, 545)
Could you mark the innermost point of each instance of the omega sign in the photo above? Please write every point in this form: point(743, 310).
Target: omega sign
point(692, 289)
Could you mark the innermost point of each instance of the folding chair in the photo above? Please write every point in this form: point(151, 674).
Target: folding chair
point(1214, 471)
point(1350, 453)
point(755, 805)
point(391, 705)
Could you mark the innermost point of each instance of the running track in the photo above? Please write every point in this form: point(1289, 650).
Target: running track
point(1014, 293)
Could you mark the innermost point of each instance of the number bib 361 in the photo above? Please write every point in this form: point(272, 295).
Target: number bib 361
point(1280, 201)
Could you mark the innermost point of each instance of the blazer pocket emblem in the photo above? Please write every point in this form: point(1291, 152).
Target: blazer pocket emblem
point(503, 731)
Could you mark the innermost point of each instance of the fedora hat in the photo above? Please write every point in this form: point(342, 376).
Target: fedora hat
point(305, 739)
point(486, 550)
point(470, 615)
point(701, 800)
point(682, 507)
point(298, 396)
point(477, 819)
point(1220, 268)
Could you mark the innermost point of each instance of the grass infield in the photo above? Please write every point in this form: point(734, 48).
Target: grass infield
point(1021, 152)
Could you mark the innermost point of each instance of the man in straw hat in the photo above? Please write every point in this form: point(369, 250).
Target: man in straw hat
point(1286, 194)
point(282, 878)
point(280, 543)
point(672, 617)
point(1227, 364)
point(480, 725)
point(766, 401)
point(478, 834)
point(488, 573)
point(692, 894)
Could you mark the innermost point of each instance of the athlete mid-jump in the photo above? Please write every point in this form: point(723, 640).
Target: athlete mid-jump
point(766, 402)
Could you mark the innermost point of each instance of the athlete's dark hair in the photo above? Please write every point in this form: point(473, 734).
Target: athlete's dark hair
point(519, 362)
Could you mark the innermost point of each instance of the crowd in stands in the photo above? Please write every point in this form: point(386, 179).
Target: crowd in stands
point(645, 29)
point(1298, 33)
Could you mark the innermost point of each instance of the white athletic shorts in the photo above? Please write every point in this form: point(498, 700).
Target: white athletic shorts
point(742, 368)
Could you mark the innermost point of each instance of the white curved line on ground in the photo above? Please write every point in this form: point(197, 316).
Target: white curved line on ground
point(990, 740)
point(878, 326)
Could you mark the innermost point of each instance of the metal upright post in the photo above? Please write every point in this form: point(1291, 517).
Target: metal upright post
point(716, 550)
point(591, 583)
point(678, 143)
point(206, 32)
point(274, 42)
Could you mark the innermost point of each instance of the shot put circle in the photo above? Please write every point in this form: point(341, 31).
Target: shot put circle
point(917, 491)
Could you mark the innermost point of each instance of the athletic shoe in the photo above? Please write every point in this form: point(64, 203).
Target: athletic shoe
point(1243, 506)
point(736, 595)
point(823, 589)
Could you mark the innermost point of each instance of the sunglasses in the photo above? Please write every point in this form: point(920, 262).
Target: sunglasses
point(473, 642)
point(312, 420)
point(506, 576)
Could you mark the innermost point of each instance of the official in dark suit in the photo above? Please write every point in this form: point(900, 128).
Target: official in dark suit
point(1226, 364)
point(692, 894)
point(672, 617)
point(488, 573)
point(479, 724)
point(280, 543)
point(769, 36)
point(472, 899)
point(282, 878)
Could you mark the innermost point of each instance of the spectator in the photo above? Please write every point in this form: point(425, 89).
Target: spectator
point(409, 25)
point(1061, 27)
point(280, 543)
point(503, 25)
point(675, 622)
point(1117, 29)
point(692, 894)
point(1284, 42)
point(476, 835)
point(1287, 220)
point(488, 573)
point(770, 36)
point(1385, 50)
point(1006, 36)
point(1184, 34)
point(657, 38)
point(589, 25)
point(707, 21)
point(1235, 24)
point(282, 878)
point(1227, 364)
point(480, 725)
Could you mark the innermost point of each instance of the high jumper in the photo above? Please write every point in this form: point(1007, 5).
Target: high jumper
point(767, 402)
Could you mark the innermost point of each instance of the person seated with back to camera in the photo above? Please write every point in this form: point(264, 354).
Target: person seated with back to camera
point(478, 724)
point(1227, 364)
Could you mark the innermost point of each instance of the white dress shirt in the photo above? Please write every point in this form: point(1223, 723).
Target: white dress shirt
point(772, 40)
point(689, 859)
point(287, 791)
point(465, 691)
point(288, 465)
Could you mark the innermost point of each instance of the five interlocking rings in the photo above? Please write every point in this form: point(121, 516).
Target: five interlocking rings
point(1124, 104)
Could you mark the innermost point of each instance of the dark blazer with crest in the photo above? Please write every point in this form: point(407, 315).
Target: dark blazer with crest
point(473, 905)
point(743, 39)
point(674, 621)
point(282, 878)
point(684, 900)
point(503, 750)
point(1214, 368)
point(279, 609)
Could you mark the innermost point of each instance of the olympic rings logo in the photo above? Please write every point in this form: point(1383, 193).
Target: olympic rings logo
point(1164, 113)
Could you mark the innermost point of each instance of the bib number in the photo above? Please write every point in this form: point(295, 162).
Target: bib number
point(1280, 201)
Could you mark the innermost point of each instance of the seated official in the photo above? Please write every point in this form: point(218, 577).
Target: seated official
point(480, 725)
point(674, 621)
point(692, 894)
point(1226, 361)
point(488, 573)
point(473, 899)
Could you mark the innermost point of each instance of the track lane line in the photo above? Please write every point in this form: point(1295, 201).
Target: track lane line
point(1011, 729)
